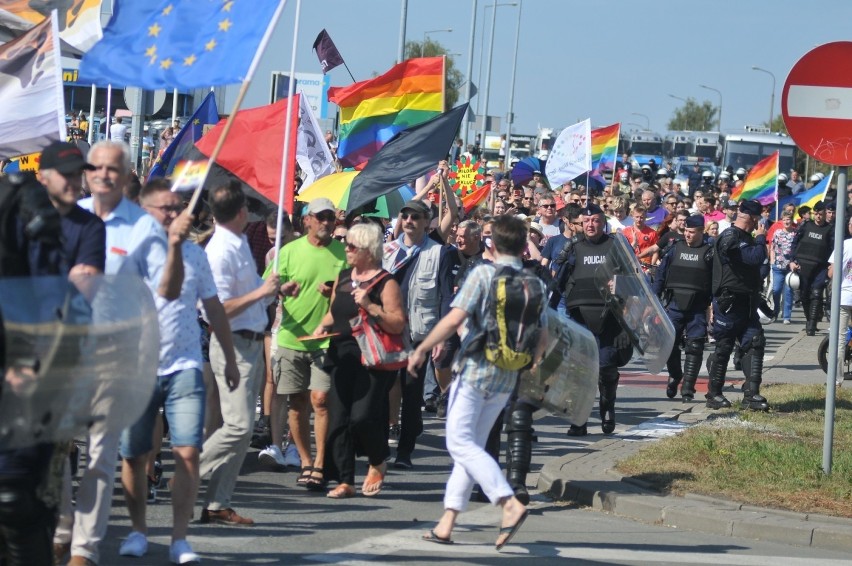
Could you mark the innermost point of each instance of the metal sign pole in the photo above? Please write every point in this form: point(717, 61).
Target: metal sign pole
point(834, 327)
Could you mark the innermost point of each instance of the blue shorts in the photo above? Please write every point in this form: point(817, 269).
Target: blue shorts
point(182, 395)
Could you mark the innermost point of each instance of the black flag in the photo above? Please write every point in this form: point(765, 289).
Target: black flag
point(329, 56)
point(406, 156)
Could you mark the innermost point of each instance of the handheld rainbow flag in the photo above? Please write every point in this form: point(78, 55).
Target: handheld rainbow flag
point(604, 151)
point(761, 183)
point(373, 111)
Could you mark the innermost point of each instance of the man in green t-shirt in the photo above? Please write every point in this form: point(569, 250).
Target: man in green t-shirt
point(313, 261)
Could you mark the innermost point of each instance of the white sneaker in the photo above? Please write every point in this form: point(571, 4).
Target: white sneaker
point(291, 456)
point(181, 553)
point(786, 321)
point(271, 455)
point(136, 544)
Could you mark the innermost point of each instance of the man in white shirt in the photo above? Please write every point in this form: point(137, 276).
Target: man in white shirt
point(128, 227)
point(245, 297)
point(180, 385)
point(117, 131)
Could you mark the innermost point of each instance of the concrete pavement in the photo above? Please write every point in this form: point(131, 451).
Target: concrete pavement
point(588, 476)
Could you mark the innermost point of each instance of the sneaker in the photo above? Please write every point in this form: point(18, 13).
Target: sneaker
point(271, 455)
point(431, 405)
point(291, 456)
point(158, 468)
point(443, 402)
point(181, 553)
point(403, 462)
point(152, 490)
point(393, 434)
point(787, 321)
point(136, 544)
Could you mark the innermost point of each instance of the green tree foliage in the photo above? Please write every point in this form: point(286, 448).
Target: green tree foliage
point(431, 48)
point(694, 116)
point(777, 125)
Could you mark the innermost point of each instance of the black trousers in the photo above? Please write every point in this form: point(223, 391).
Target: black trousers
point(26, 525)
point(411, 423)
point(358, 418)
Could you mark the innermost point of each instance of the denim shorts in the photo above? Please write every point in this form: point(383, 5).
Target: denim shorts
point(182, 395)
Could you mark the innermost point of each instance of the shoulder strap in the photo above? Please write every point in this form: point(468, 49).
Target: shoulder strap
point(376, 280)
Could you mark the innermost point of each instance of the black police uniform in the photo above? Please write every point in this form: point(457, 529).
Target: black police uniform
point(585, 304)
point(683, 282)
point(737, 260)
point(812, 246)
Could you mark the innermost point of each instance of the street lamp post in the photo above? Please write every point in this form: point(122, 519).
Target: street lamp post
point(488, 77)
point(771, 98)
point(425, 33)
point(717, 91)
point(511, 117)
point(647, 120)
point(494, 5)
point(469, 89)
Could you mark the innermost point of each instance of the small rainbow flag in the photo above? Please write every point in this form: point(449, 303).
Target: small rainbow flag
point(604, 151)
point(761, 182)
point(373, 111)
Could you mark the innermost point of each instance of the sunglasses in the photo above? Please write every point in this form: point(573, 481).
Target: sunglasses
point(339, 238)
point(411, 215)
point(178, 208)
point(547, 205)
point(325, 216)
point(351, 247)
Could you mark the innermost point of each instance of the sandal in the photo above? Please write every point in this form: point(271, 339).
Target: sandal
point(374, 481)
point(342, 491)
point(305, 476)
point(316, 483)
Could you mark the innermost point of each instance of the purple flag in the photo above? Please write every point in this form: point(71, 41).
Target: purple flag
point(329, 56)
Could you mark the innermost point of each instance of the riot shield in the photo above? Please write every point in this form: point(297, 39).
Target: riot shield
point(566, 380)
point(628, 296)
point(75, 354)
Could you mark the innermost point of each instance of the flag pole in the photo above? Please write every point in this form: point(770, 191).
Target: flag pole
point(777, 161)
point(90, 134)
point(285, 165)
point(242, 93)
point(106, 116)
point(57, 54)
point(350, 72)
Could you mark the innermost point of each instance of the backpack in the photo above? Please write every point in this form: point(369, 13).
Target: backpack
point(512, 315)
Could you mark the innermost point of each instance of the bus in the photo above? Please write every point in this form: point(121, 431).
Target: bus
point(706, 145)
point(747, 148)
point(677, 144)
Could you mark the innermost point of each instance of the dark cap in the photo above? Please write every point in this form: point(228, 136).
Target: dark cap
point(695, 221)
point(592, 209)
point(831, 205)
point(417, 206)
point(751, 207)
point(64, 157)
point(820, 205)
point(731, 204)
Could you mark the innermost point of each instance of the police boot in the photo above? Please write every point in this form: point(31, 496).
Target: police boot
point(715, 399)
point(691, 366)
point(608, 386)
point(738, 358)
point(813, 315)
point(752, 399)
point(519, 450)
point(675, 372)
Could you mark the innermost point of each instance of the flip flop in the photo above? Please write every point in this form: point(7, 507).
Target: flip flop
point(373, 482)
point(432, 537)
point(511, 531)
point(305, 476)
point(342, 491)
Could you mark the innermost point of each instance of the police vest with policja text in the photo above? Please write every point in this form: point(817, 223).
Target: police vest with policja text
point(813, 249)
point(688, 275)
point(587, 257)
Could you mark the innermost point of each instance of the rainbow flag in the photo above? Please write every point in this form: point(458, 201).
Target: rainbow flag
point(604, 151)
point(761, 183)
point(373, 111)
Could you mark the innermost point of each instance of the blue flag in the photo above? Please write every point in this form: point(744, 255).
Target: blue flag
point(166, 44)
point(809, 197)
point(186, 138)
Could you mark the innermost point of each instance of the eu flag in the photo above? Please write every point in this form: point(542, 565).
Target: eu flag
point(184, 44)
point(186, 138)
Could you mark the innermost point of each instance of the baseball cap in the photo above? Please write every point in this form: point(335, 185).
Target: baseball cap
point(751, 207)
point(64, 157)
point(320, 205)
point(695, 221)
point(731, 204)
point(417, 206)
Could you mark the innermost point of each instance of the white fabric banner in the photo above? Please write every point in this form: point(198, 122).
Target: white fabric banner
point(571, 155)
point(79, 22)
point(31, 91)
point(312, 153)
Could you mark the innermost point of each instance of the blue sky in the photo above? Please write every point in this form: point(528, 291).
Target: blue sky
point(581, 58)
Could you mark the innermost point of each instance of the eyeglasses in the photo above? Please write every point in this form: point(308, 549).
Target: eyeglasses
point(411, 215)
point(547, 205)
point(325, 216)
point(672, 202)
point(177, 208)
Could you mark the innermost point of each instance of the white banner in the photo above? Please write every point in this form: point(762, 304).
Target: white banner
point(571, 155)
point(312, 153)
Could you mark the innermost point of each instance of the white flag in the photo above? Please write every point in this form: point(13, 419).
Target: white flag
point(33, 112)
point(312, 153)
point(571, 155)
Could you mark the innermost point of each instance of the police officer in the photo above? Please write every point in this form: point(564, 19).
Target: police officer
point(812, 245)
point(738, 257)
point(683, 282)
point(585, 304)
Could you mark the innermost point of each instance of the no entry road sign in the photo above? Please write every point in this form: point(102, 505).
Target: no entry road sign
point(817, 103)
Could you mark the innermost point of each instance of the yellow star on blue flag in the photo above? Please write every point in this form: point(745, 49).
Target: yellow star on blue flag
point(166, 44)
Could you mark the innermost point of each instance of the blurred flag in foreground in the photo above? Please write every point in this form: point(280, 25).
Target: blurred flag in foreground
point(163, 44)
point(186, 138)
point(33, 107)
point(79, 20)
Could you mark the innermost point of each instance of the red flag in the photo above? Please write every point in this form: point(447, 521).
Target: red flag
point(254, 147)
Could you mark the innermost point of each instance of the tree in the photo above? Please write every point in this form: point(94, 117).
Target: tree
point(777, 125)
point(431, 48)
point(694, 116)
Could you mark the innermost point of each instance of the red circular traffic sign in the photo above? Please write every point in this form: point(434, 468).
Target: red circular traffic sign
point(817, 103)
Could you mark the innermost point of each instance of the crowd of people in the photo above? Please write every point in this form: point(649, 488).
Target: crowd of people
point(241, 321)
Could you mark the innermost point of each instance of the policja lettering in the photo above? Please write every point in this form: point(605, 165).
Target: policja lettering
point(815, 235)
point(690, 257)
point(594, 259)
